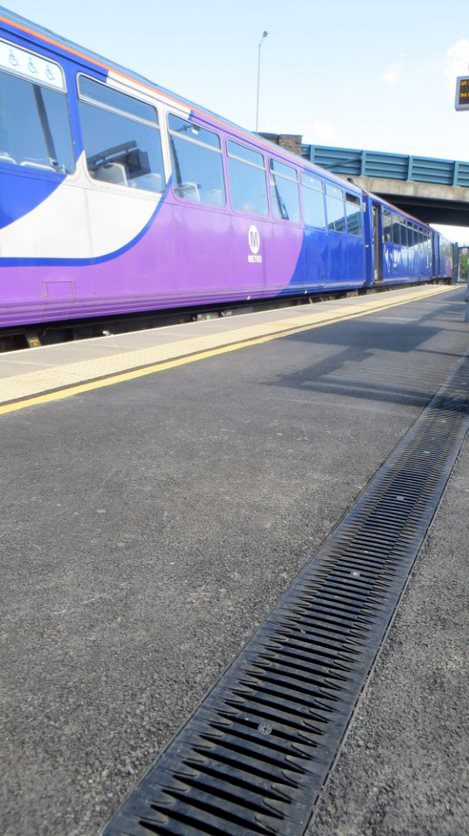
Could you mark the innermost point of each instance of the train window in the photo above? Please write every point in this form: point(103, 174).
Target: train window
point(246, 155)
point(313, 201)
point(396, 238)
point(312, 182)
point(404, 235)
point(34, 123)
point(354, 214)
point(248, 184)
point(284, 191)
point(121, 137)
point(197, 162)
point(335, 208)
point(334, 192)
point(95, 92)
point(387, 226)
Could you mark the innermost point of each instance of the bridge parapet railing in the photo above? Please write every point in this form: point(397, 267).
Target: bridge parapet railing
point(360, 163)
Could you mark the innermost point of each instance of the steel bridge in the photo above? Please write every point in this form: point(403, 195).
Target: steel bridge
point(434, 190)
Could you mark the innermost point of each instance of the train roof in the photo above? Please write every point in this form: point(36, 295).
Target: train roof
point(57, 42)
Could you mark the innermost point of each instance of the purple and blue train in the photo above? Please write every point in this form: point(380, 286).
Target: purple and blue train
point(117, 196)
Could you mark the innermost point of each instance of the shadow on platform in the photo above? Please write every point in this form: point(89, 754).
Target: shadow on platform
point(360, 367)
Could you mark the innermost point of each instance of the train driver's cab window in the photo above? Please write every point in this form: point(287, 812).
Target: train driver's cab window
point(248, 183)
point(121, 136)
point(387, 226)
point(34, 123)
point(335, 208)
point(197, 164)
point(312, 193)
point(284, 192)
point(353, 211)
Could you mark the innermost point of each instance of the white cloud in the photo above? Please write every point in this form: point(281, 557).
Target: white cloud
point(319, 131)
point(457, 62)
point(392, 75)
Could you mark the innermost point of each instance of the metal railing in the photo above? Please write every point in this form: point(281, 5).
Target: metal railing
point(359, 163)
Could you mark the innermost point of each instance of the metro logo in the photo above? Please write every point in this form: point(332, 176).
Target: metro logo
point(254, 239)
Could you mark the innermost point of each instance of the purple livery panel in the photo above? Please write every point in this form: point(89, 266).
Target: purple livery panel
point(188, 255)
point(74, 245)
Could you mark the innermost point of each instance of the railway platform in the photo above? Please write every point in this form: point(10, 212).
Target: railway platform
point(163, 491)
point(57, 369)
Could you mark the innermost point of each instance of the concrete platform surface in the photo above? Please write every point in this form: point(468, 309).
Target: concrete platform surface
point(32, 371)
point(147, 528)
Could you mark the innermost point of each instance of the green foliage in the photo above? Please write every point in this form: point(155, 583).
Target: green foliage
point(464, 267)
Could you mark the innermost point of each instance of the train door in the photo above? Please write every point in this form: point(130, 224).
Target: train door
point(124, 179)
point(201, 220)
point(377, 248)
point(436, 254)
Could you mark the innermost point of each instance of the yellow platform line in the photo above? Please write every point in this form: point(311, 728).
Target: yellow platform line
point(165, 365)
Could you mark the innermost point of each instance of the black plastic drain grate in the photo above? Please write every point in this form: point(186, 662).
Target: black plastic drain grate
point(255, 754)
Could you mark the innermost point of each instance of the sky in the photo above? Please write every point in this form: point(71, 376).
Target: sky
point(351, 73)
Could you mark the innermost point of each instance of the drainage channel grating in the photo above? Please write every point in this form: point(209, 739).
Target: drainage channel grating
point(255, 754)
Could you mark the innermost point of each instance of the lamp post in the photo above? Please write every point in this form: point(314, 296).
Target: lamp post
point(264, 35)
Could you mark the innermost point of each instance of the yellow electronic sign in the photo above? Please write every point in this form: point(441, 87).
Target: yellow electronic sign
point(462, 93)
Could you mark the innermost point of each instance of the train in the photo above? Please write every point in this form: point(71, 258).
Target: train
point(118, 196)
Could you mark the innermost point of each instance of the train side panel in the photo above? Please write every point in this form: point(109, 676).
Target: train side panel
point(77, 241)
point(117, 198)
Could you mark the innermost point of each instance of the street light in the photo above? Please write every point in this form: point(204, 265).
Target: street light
point(264, 35)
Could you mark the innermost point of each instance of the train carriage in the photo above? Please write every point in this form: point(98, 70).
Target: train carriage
point(117, 196)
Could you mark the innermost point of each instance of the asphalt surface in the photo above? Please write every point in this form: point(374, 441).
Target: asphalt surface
point(148, 529)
